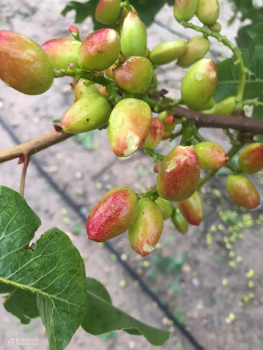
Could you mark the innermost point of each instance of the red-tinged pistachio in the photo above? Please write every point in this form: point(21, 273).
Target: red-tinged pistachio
point(179, 222)
point(208, 11)
point(199, 84)
point(166, 207)
point(124, 14)
point(156, 168)
point(88, 113)
point(103, 91)
point(179, 174)
point(225, 107)
point(114, 213)
point(192, 209)
point(251, 158)
point(24, 65)
point(211, 156)
point(134, 74)
point(99, 50)
point(195, 50)
point(73, 29)
point(167, 52)
point(107, 11)
point(84, 88)
point(184, 10)
point(210, 104)
point(133, 36)
point(168, 122)
point(109, 71)
point(147, 228)
point(215, 27)
point(61, 52)
point(242, 191)
point(155, 134)
point(129, 125)
point(166, 135)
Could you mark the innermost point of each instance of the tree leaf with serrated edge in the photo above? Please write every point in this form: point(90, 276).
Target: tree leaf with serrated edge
point(53, 272)
point(102, 317)
point(228, 76)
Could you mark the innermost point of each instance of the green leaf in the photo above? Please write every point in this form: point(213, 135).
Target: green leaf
point(258, 114)
point(51, 276)
point(228, 75)
point(102, 317)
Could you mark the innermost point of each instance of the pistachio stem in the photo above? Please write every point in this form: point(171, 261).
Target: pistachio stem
point(253, 103)
point(153, 194)
point(25, 158)
point(199, 137)
point(233, 151)
point(155, 156)
point(221, 38)
point(188, 131)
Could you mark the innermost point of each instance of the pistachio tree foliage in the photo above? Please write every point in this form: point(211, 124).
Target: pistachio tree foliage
point(115, 88)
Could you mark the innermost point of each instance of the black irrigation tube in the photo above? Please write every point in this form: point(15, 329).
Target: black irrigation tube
point(127, 267)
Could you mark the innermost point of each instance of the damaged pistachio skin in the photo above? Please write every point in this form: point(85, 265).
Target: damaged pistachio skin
point(99, 50)
point(134, 74)
point(184, 10)
point(147, 228)
point(179, 174)
point(84, 88)
point(166, 207)
point(199, 84)
point(133, 36)
point(24, 65)
point(208, 11)
point(62, 51)
point(88, 113)
point(114, 213)
point(155, 134)
point(129, 125)
point(179, 222)
point(167, 52)
point(251, 158)
point(192, 209)
point(107, 11)
point(211, 156)
point(195, 50)
point(242, 191)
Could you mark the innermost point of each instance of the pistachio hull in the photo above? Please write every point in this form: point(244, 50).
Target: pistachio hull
point(208, 11)
point(147, 228)
point(84, 88)
point(107, 11)
point(242, 191)
point(129, 125)
point(211, 156)
point(167, 52)
point(62, 51)
point(195, 50)
point(179, 222)
point(155, 134)
point(166, 207)
point(251, 158)
point(133, 36)
point(24, 65)
point(192, 209)
point(99, 50)
point(199, 84)
point(184, 10)
point(168, 121)
point(134, 74)
point(112, 215)
point(88, 113)
point(179, 174)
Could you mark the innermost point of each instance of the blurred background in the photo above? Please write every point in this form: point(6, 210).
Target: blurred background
point(211, 279)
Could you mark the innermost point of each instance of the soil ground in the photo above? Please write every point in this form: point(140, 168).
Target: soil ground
point(194, 293)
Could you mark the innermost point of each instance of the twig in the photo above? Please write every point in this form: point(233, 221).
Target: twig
point(25, 158)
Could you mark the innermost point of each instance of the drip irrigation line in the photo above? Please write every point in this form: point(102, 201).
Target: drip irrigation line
point(71, 203)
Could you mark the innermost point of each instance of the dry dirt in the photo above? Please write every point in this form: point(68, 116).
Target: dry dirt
point(203, 304)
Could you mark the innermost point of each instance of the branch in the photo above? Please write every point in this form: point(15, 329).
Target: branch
point(33, 146)
point(247, 125)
